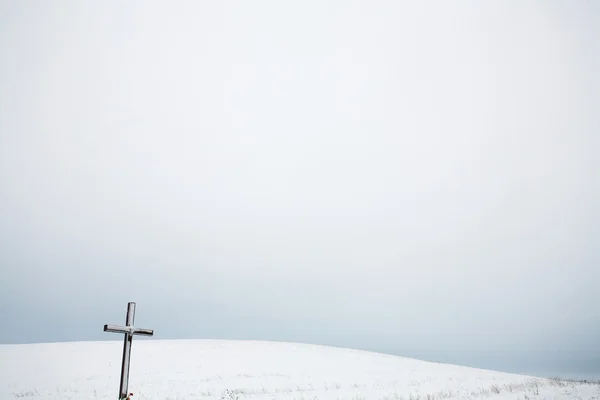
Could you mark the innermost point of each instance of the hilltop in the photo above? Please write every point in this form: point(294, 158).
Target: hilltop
point(229, 370)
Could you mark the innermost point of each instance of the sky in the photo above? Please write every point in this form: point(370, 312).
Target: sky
point(417, 178)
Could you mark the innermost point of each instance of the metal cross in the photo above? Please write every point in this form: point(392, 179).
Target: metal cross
point(129, 331)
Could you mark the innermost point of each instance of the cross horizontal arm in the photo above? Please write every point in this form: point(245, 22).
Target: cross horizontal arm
point(116, 329)
point(129, 330)
point(143, 332)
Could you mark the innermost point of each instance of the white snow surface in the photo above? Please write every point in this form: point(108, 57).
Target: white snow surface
point(224, 369)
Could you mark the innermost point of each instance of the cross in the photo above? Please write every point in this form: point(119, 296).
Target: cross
point(129, 331)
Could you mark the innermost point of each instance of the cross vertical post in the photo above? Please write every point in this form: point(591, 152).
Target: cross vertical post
point(129, 330)
point(127, 351)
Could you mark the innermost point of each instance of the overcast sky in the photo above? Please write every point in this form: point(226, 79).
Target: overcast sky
point(420, 178)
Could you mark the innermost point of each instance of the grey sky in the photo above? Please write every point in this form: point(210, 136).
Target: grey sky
point(410, 177)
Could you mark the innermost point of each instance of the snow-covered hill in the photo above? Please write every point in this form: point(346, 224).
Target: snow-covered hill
point(220, 369)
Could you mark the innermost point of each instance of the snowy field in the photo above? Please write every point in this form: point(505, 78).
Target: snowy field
point(229, 370)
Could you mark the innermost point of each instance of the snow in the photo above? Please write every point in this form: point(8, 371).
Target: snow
point(222, 369)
